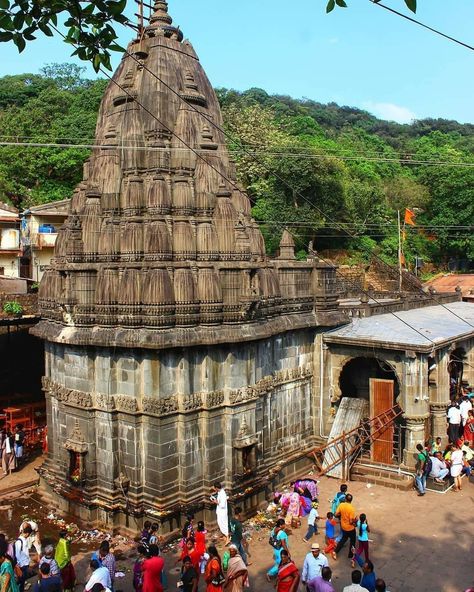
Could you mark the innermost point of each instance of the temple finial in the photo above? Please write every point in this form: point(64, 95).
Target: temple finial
point(161, 22)
point(160, 13)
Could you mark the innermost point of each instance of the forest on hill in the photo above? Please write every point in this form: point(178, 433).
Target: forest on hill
point(336, 176)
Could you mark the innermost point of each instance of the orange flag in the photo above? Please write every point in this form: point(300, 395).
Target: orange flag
point(410, 217)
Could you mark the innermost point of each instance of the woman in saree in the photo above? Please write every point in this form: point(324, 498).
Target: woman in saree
point(294, 508)
point(213, 575)
point(288, 578)
point(7, 574)
point(469, 428)
point(237, 573)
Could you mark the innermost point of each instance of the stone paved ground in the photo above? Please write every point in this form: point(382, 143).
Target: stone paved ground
point(419, 544)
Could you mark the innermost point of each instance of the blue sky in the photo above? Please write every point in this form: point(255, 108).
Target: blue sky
point(362, 56)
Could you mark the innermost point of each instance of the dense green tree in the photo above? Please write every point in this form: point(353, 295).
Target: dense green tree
point(334, 175)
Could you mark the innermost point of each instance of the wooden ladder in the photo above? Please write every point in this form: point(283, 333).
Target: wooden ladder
point(346, 448)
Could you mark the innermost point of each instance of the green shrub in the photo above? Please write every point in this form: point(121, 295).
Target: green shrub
point(13, 307)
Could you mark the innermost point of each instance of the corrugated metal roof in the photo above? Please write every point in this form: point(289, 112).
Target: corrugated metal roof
point(418, 329)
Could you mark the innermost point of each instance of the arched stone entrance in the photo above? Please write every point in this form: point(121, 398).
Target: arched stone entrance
point(354, 380)
point(374, 380)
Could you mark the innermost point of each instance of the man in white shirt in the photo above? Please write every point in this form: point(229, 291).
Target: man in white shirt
point(22, 555)
point(439, 470)
point(356, 577)
point(464, 407)
point(313, 564)
point(34, 538)
point(454, 423)
point(100, 575)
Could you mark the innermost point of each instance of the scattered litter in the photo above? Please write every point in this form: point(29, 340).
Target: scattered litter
point(369, 485)
point(119, 574)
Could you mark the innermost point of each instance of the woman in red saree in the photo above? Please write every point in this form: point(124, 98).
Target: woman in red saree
point(469, 428)
point(288, 577)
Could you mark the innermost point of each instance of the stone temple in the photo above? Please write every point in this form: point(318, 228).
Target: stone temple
point(177, 352)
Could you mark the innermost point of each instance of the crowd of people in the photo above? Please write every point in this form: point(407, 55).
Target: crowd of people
point(342, 526)
point(11, 449)
point(55, 569)
point(455, 459)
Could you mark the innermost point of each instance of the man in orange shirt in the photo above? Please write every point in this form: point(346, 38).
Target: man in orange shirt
point(347, 514)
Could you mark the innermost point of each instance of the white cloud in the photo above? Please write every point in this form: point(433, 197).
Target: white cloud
point(390, 111)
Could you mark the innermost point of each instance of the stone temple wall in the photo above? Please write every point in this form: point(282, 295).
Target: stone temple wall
point(156, 428)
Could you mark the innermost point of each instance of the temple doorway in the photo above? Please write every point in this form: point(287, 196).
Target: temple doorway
point(456, 371)
point(374, 380)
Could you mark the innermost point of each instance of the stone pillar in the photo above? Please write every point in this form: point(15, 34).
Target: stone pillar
point(469, 363)
point(414, 434)
point(438, 421)
point(439, 396)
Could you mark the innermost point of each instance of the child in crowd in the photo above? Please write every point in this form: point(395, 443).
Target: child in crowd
point(363, 537)
point(313, 517)
point(330, 533)
point(188, 530)
point(153, 540)
point(145, 535)
point(436, 445)
point(339, 498)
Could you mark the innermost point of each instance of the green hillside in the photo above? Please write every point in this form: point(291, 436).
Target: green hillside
point(335, 175)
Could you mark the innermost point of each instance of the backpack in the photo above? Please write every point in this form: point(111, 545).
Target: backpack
point(428, 465)
point(274, 542)
point(14, 557)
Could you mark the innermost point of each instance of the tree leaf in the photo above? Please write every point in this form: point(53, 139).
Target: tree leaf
point(7, 36)
point(330, 6)
point(96, 62)
point(18, 20)
point(411, 5)
point(341, 3)
point(4, 4)
point(19, 42)
point(6, 22)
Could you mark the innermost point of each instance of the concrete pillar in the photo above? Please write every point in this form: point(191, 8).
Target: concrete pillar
point(414, 434)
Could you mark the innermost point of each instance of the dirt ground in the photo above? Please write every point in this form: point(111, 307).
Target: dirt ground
point(419, 544)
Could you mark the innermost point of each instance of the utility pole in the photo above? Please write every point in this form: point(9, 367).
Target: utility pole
point(400, 254)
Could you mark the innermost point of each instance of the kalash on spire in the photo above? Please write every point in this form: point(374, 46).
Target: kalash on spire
point(162, 303)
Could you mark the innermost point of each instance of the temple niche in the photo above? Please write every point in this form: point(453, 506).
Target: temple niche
point(177, 352)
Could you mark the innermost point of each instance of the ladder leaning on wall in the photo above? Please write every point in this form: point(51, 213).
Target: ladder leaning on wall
point(345, 449)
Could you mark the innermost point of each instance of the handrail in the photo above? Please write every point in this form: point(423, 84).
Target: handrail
point(341, 449)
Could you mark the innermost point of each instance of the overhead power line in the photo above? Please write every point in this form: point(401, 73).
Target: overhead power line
point(232, 183)
point(305, 156)
point(420, 24)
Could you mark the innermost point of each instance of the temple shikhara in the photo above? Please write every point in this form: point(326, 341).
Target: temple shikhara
point(177, 352)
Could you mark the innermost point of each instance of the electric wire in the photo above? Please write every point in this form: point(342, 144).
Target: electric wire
point(419, 23)
point(282, 180)
point(235, 186)
point(306, 156)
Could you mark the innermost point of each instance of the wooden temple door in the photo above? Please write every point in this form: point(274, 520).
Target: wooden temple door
point(382, 399)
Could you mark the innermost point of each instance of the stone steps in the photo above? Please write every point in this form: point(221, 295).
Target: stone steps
point(432, 485)
point(377, 474)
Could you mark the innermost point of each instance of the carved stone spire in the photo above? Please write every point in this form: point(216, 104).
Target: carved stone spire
point(161, 22)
